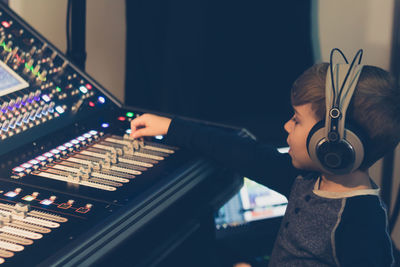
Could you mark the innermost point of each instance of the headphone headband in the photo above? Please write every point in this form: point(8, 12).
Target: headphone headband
point(345, 77)
point(335, 147)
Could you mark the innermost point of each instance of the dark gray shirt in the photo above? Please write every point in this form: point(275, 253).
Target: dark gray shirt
point(319, 228)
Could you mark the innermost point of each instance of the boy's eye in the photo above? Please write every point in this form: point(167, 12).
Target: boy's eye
point(294, 119)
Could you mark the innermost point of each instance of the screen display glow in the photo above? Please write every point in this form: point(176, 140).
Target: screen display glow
point(10, 81)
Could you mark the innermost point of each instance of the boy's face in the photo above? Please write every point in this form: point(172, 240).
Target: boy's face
point(298, 128)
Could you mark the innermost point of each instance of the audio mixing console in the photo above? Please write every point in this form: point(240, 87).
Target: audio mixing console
point(72, 181)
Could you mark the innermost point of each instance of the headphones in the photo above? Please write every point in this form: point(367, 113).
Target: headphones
point(334, 144)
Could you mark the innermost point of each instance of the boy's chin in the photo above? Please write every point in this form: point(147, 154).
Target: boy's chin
point(304, 166)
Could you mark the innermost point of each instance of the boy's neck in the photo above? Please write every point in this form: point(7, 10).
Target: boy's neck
point(356, 180)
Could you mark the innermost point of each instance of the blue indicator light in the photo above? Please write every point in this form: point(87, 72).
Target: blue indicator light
point(105, 125)
point(159, 137)
point(101, 99)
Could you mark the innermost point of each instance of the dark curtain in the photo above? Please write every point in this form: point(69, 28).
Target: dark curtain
point(218, 60)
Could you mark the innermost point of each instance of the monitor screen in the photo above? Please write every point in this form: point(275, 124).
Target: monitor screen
point(253, 202)
point(10, 81)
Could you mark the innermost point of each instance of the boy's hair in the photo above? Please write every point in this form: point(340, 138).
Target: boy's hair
point(375, 106)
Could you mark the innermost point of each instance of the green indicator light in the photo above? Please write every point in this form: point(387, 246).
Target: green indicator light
point(130, 114)
point(58, 89)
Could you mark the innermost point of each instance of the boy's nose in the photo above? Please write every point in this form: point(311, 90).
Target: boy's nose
point(287, 126)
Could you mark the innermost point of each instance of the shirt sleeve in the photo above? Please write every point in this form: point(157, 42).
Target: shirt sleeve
point(259, 162)
point(362, 238)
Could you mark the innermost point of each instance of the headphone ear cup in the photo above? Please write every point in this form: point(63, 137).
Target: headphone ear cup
point(336, 157)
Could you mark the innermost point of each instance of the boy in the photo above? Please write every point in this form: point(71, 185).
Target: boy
point(331, 219)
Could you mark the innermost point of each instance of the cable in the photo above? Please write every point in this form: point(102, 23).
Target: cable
point(395, 213)
point(331, 69)
point(68, 27)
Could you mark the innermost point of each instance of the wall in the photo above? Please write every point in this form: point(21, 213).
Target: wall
point(350, 25)
point(105, 35)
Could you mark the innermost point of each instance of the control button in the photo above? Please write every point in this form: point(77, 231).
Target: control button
point(75, 143)
point(69, 146)
point(20, 171)
point(82, 140)
point(28, 198)
point(46, 202)
point(65, 206)
point(37, 95)
point(35, 164)
point(42, 160)
point(5, 125)
point(12, 122)
point(49, 156)
point(4, 107)
point(83, 210)
point(51, 107)
point(19, 120)
point(11, 104)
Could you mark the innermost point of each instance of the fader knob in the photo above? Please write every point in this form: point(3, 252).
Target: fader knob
point(4, 106)
point(20, 210)
point(135, 144)
point(18, 102)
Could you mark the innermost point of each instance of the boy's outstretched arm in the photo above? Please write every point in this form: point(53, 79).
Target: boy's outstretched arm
point(249, 158)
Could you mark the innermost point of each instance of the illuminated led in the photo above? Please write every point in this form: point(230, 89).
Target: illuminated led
point(18, 169)
point(41, 158)
point(101, 99)
point(55, 151)
point(83, 89)
point(28, 198)
point(46, 202)
point(68, 145)
point(86, 135)
point(33, 162)
point(48, 155)
point(60, 110)
point(121, 118)
point(11, 194)
point(75, 142)
point(89, 86)
point(58, 89)
point(91, 104)
point(6, 24)
point(105, 125)
point(81, 138)
point(26, 165)
point(93, 132)
point(130, 114)
point(61, 148)
point(46, 98)
point(159, 137)
point(128, 131)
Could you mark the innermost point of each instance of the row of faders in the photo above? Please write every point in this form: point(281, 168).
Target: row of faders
point(96, 160)
point(20, 226)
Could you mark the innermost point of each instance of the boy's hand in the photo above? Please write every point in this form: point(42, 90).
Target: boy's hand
point(149, 125)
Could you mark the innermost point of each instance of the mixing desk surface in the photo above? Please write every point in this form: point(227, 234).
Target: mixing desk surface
point(73, 184)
